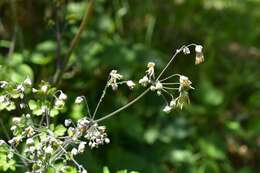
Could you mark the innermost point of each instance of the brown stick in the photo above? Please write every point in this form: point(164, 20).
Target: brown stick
point(59, 72)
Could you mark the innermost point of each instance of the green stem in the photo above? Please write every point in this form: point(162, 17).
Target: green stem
point(100, 101)
point(123, 107)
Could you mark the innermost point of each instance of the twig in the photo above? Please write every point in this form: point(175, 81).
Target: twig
point(59, 72)
point(58, 38)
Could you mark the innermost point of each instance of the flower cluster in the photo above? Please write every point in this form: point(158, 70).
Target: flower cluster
point(45, 144)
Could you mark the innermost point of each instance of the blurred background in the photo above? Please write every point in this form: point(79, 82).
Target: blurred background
point(218, 133)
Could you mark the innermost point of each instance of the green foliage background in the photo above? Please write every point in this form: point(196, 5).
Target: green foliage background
point(217, 133)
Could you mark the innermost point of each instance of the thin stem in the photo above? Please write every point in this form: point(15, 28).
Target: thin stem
point(123, 107)
point(172, 58)
point(168, 93)
point(86, 102)
point(100, 101)
point(175, 83)
point(59, 72)
point(58, 38)
point(169, 88)
point(169, 77)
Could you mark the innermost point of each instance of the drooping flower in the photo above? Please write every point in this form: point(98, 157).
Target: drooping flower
point(130, 84)
point(185, 83)
point(199, 55)
point(79, 100)
point(186, 50)
point(167, 109)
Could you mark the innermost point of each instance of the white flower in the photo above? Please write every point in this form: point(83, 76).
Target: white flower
point(2, 99)
point(3, 84)
point(158, 86)
point(62, 96)
point(84, 171)
point(27, 81)
point(79, 100)
point(59, 103)
point(34, 90)
point(74, 151)
point(13, 128)
point(67, 122)
point(22, 105)
point(186, 50)
point(44, 88)
point(20, 88)
point(144, 81)
point(16, 120)
point(167, 109)
point(28, 116)
point(198, 48)
point(114, 76)
point(199, 54)
point(150, 71)
point(107, 140)
point(2, 142)
point(81, 147)
point(130, 84)
point(49, 150)
point(173, 103)
point(29, 141)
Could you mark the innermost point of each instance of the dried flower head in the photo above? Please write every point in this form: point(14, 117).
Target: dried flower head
point(185, 83)
point(199, 55)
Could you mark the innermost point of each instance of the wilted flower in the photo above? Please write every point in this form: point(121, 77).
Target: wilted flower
point(144, 81)
point(199, 54)
point(29, 131)
point(183, 99)
point(130, 84)
point(185, 83)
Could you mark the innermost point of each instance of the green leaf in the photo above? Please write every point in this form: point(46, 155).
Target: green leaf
point(60, 130)
point(105, 169)
point(32, 104)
